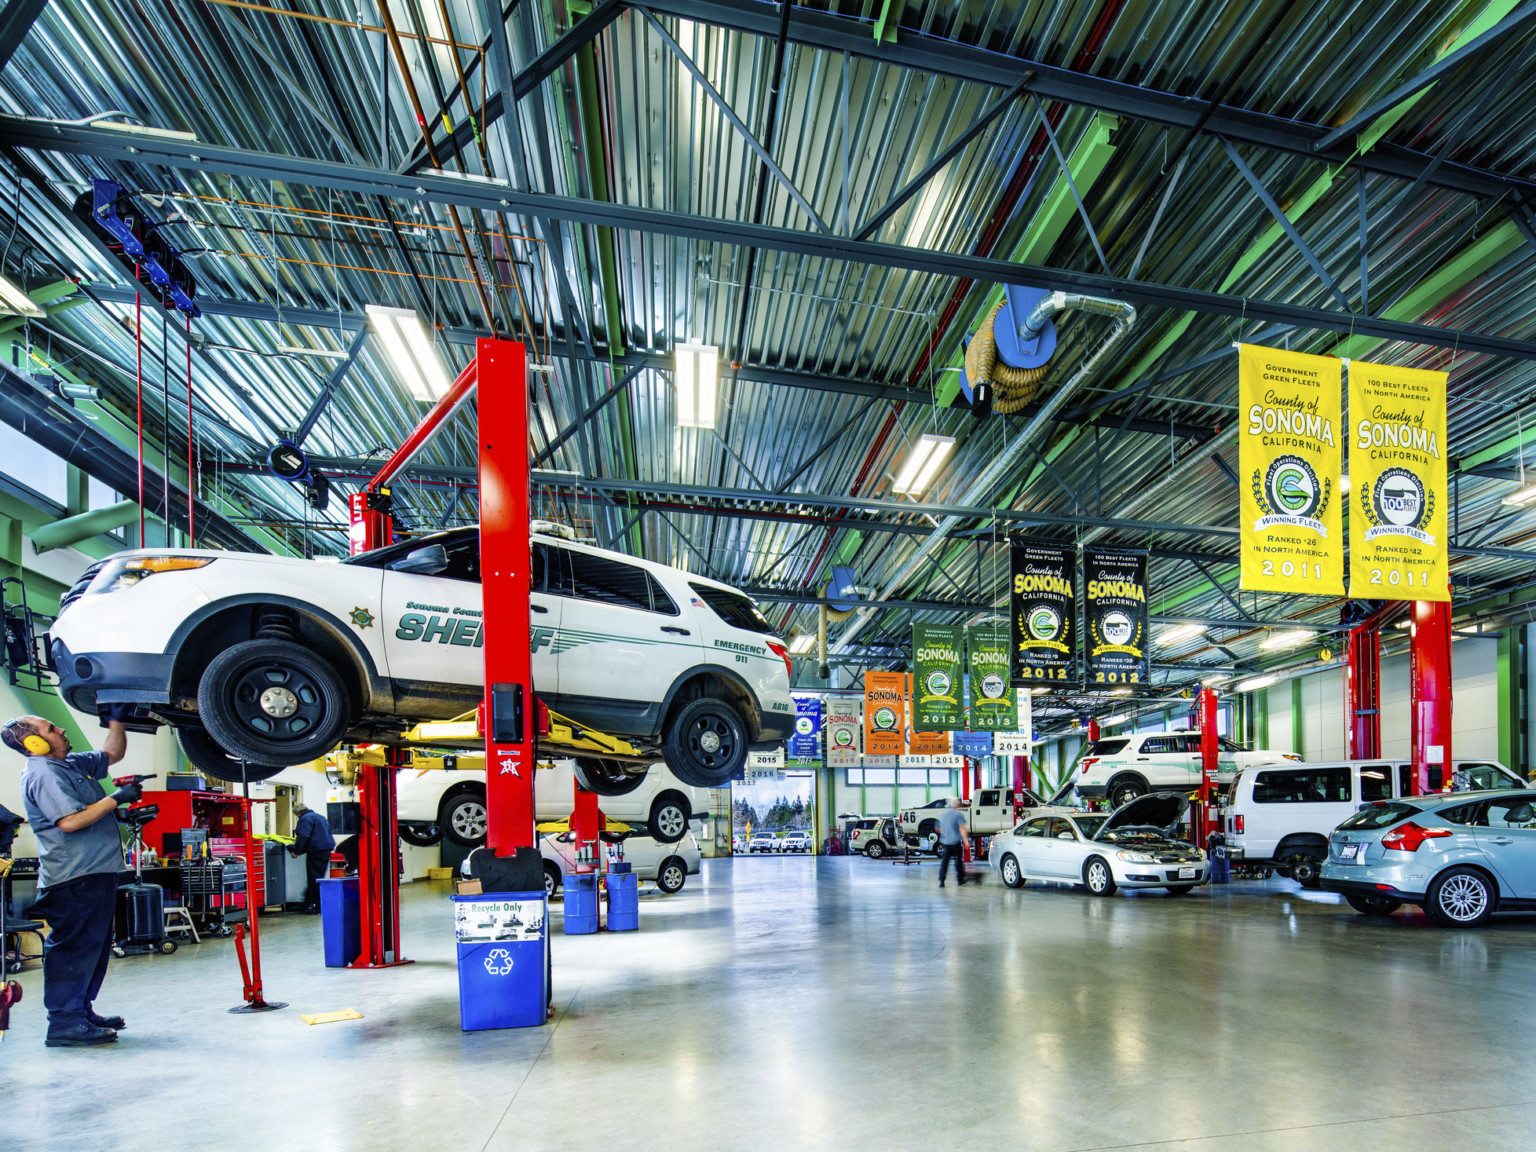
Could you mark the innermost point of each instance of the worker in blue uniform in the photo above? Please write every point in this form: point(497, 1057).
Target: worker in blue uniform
point(79, 857)
point(312, 840)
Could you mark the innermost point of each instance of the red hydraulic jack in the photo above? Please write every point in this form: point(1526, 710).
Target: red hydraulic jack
point(250, 973)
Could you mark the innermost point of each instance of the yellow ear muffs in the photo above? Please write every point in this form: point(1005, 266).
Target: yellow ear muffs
point(36, 745)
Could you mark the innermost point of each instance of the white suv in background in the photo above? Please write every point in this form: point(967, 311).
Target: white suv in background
point(1121, 768)
point(275, 661)
point(1282, 816)
point(449, 803)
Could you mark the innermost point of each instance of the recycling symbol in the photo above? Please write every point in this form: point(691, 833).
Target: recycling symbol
point(498, 962)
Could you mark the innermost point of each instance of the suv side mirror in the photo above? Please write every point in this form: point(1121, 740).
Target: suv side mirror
point(428, 561)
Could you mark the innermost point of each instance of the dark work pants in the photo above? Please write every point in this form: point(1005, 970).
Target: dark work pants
point(315, 865)
point(951, 852)
point(79, 914)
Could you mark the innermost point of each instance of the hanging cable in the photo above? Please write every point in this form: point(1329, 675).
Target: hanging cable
point(165, 423)
point(191, 463)
point(138, 342)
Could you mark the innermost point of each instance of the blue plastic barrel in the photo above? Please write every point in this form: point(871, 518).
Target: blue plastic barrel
point(503, 960)
point(580, 904)
point(341, 921)
point(623, 901)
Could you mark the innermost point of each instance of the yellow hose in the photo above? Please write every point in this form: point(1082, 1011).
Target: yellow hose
point(1012, 388)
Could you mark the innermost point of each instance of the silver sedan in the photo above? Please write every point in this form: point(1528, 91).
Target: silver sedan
point(1129, 848)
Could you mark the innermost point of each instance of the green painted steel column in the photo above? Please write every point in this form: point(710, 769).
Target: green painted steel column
point(1510, 700)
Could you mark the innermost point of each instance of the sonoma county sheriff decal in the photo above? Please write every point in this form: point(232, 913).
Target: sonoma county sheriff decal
point(1289, 454)
point(1042, 608)
point(362, 617)
point(936, 671)
point(1397, 524)
point(1115, 603)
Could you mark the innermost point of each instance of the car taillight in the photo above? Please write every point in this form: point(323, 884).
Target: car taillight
point(1089, 762)
point(1237, 824)
point(782, 653)
point(1407, 837)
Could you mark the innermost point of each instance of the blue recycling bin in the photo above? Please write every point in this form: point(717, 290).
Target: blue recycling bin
point(623, 901)
point(580, 903)
point(341, 920)
point(503, 952)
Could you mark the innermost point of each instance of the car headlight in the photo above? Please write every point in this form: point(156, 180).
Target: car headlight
point(1135, 857)
point(122, 574)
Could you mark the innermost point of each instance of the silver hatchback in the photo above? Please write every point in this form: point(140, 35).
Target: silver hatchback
point(1460, 856)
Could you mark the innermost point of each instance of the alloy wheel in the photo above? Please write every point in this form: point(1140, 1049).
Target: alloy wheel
point(1463, 898)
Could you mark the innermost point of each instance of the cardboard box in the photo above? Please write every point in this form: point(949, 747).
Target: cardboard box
point(467, 888)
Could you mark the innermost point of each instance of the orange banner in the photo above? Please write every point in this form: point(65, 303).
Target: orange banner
point(885, 713)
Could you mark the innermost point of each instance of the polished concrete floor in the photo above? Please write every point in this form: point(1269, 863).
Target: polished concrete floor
point(840, 1003)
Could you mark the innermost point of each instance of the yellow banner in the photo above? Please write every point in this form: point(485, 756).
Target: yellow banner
point(1288, 459)
point(1398, 488)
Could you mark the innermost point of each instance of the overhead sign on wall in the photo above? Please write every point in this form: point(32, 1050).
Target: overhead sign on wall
point(845, 724)
point(805, 744)
point(885, 713)
point(1397, 471)
point(991, 693)
point(1115, 604)
point(1042, 610)
point(1289, 464)
point(936, 677)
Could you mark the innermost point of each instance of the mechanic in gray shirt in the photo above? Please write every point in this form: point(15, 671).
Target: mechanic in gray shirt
point(80, 856)
point(952, 832)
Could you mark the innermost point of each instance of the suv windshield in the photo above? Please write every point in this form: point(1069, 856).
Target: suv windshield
point(1379, 816)
point(732, 607)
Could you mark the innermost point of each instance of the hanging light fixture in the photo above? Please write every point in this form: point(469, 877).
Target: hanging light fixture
point(802, 644)
point(15, 302)
point(697, 373)
point(1181, 632)
point(1256, 683)
point(1286, 639)
point(410, 350)
point(923, 463)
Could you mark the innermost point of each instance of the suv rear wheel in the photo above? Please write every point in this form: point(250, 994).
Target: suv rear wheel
point(1126, 789)
point(668, 821)
point(421, 835)
point(607, 777)
point(706, 743)
point(204, 753)
point(463, 819)
point(875, 849)
point(1306, 869)
point(273, 702)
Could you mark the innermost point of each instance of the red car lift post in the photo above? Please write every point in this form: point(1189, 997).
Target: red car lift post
point(1430, 694)
point(1206, 819)
point(1362, 684)
point(509, 712)
point(378, 856)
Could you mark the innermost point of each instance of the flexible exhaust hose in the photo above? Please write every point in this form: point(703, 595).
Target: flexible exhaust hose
point(979, 493)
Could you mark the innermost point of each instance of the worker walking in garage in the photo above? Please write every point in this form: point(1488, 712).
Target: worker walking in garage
point(312, 839)
point(79, 857)
point(952, 834)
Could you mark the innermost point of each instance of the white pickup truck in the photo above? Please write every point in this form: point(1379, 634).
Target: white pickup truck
point(991, 810)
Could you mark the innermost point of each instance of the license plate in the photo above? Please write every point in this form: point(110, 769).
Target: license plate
point(1348, 851)
point(1188, 873)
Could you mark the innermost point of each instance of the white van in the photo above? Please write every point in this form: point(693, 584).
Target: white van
point(1281, 816)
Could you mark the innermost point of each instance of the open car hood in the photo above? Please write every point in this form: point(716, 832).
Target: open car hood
point(1159, 810)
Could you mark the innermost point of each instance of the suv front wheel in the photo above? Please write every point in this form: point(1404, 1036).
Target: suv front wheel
point(463, 819)
point(706, 743)
point(273, 702)
point(607, 777)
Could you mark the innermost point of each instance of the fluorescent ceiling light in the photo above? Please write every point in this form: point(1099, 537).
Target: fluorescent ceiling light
point(1038, 691)
point(1256, 683)
point(321, 353)
point(1112, 721)
point(1215, 679)
point(1119, 691)
point(410, 350)
point(1181, 632)
point(802, 644)
point(15, 302)
point(1520, 497)
point(1286, 639)
point(697, 373)
point(923, 463)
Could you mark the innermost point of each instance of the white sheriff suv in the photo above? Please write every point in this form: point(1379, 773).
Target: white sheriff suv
point(1121, 768)
point(274, 661)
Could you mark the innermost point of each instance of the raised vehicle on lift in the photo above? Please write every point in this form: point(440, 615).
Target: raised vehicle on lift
point(260, 662)
point(1131, 847)
point(1282, 816)
point(449, 803)
point(1121, 768)
point(989, 810)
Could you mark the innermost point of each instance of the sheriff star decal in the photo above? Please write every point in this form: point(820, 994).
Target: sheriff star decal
point(362, 617)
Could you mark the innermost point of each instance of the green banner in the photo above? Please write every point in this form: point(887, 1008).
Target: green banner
point(936, 681)
point(993, 708)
